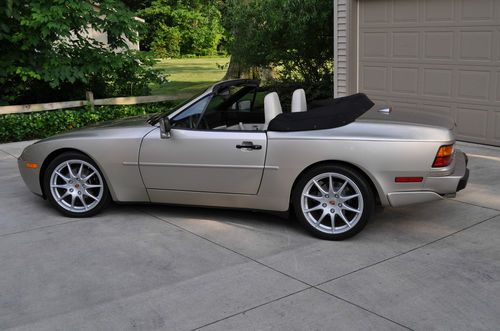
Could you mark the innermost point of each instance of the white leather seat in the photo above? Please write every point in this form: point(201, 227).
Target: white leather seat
point(272, 107)
point(299, 101)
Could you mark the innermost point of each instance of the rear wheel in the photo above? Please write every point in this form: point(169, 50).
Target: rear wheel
point(75, 186)
point(333, 202)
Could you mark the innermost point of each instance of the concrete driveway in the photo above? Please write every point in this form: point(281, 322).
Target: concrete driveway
point(431, 266)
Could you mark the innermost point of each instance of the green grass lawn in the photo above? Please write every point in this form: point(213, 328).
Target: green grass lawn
point(190, 75)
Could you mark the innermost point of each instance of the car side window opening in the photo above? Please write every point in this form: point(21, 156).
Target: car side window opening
point(191, 116)
point(232, 108)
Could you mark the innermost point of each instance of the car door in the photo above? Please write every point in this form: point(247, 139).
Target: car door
point(204, 160)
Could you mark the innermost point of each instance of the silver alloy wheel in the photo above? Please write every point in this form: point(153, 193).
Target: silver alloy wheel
point(76, 186)
point(332, 203)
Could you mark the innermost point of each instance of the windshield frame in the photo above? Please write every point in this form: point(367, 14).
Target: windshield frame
point(171, 112)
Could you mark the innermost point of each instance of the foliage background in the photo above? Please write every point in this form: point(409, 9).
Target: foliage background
point(182, 27)
point(18, 127)
point(46, 54)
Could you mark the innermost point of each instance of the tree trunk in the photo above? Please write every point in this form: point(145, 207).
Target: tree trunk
point(236, 70)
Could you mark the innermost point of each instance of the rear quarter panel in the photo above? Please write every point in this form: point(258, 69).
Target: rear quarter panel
point(382, 152)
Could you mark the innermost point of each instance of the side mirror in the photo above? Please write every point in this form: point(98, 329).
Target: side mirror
point(165, 127)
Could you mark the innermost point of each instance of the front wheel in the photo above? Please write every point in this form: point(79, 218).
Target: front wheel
point(75, 186)
point(333, 202)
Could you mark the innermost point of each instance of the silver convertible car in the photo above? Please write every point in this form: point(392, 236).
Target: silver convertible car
point(330, 161)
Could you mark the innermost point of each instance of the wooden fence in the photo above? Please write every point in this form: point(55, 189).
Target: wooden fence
point(90, 102)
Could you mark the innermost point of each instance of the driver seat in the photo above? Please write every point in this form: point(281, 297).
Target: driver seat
point(299, 101)
point(272, 107)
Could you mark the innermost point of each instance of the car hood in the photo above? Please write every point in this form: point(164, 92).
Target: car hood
point(131, 127)
point(408, 117)
point(135, 121)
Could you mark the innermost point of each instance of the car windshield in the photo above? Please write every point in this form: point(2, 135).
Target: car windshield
point(156, 117)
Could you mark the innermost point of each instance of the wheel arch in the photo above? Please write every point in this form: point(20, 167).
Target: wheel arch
point(52, 155)
point(377, 191)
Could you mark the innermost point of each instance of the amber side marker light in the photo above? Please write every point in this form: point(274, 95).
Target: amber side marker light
point(444, 156)
point(409, 179)
point(30, 165)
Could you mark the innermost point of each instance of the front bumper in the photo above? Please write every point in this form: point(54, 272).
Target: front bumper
point(436, 188)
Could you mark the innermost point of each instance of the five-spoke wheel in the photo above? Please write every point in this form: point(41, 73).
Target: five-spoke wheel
point(333, 202)
point(74, 184)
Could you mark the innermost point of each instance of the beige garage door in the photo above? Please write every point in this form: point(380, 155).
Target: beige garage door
point(437, 56)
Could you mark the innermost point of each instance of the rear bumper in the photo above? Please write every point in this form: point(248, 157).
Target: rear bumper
point(462, 184)
point(436, 188)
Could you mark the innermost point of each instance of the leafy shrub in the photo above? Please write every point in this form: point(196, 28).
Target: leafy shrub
point(295, 37)
point(48, 54)
point(17, 127)
point(181, 27)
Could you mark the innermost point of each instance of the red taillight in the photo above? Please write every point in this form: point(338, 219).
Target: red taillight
point(444, 156)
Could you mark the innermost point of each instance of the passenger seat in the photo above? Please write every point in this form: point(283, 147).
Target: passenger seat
point(272, 107)
point(299, 102)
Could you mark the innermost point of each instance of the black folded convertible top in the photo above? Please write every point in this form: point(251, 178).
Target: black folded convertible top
point(329, 114)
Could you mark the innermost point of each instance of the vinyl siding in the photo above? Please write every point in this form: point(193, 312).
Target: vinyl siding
point(340, 47)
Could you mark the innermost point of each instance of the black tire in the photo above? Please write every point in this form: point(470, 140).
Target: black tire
point(97, 206)
point(332, 206)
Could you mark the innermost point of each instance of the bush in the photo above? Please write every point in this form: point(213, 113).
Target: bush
point(18, 127)
point(181, 27)
point(47, 52)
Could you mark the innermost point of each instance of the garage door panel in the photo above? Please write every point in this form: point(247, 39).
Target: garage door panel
point(478, 10)
point(442, 110)
point(374, 78)
point(405, 12)
point(438, 45)
point(406, 45)
point(439, 56)
point(404, 80)
point(473, 84)
point(472, 122)
point(497, 87)
point(374, 12)
point(476, 45)
point(497, 126)
point(442, 11)
point(437, 82)
point(496, 46)
point(376, 44)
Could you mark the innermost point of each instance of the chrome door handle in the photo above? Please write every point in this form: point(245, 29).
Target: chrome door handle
point(249, 145)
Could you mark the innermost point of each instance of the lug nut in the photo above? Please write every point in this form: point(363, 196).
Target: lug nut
point(71, 190)
point(337, 196)
point(324, 205)
point(79, 192)
point(340, 205)
point(332, 210)
point(327, 196)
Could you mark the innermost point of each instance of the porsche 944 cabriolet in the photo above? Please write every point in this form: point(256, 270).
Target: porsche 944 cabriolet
point(330, 162)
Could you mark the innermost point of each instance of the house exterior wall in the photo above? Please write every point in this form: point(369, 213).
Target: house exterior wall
point(102, 37)
point(340, 46)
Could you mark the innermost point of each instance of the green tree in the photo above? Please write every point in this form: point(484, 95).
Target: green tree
point(47, 54)
point(182, 27)
point(293, 36)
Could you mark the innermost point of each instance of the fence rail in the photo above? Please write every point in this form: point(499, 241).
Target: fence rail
point(31, 108)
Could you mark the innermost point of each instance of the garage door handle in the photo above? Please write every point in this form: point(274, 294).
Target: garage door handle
point(249, 145)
